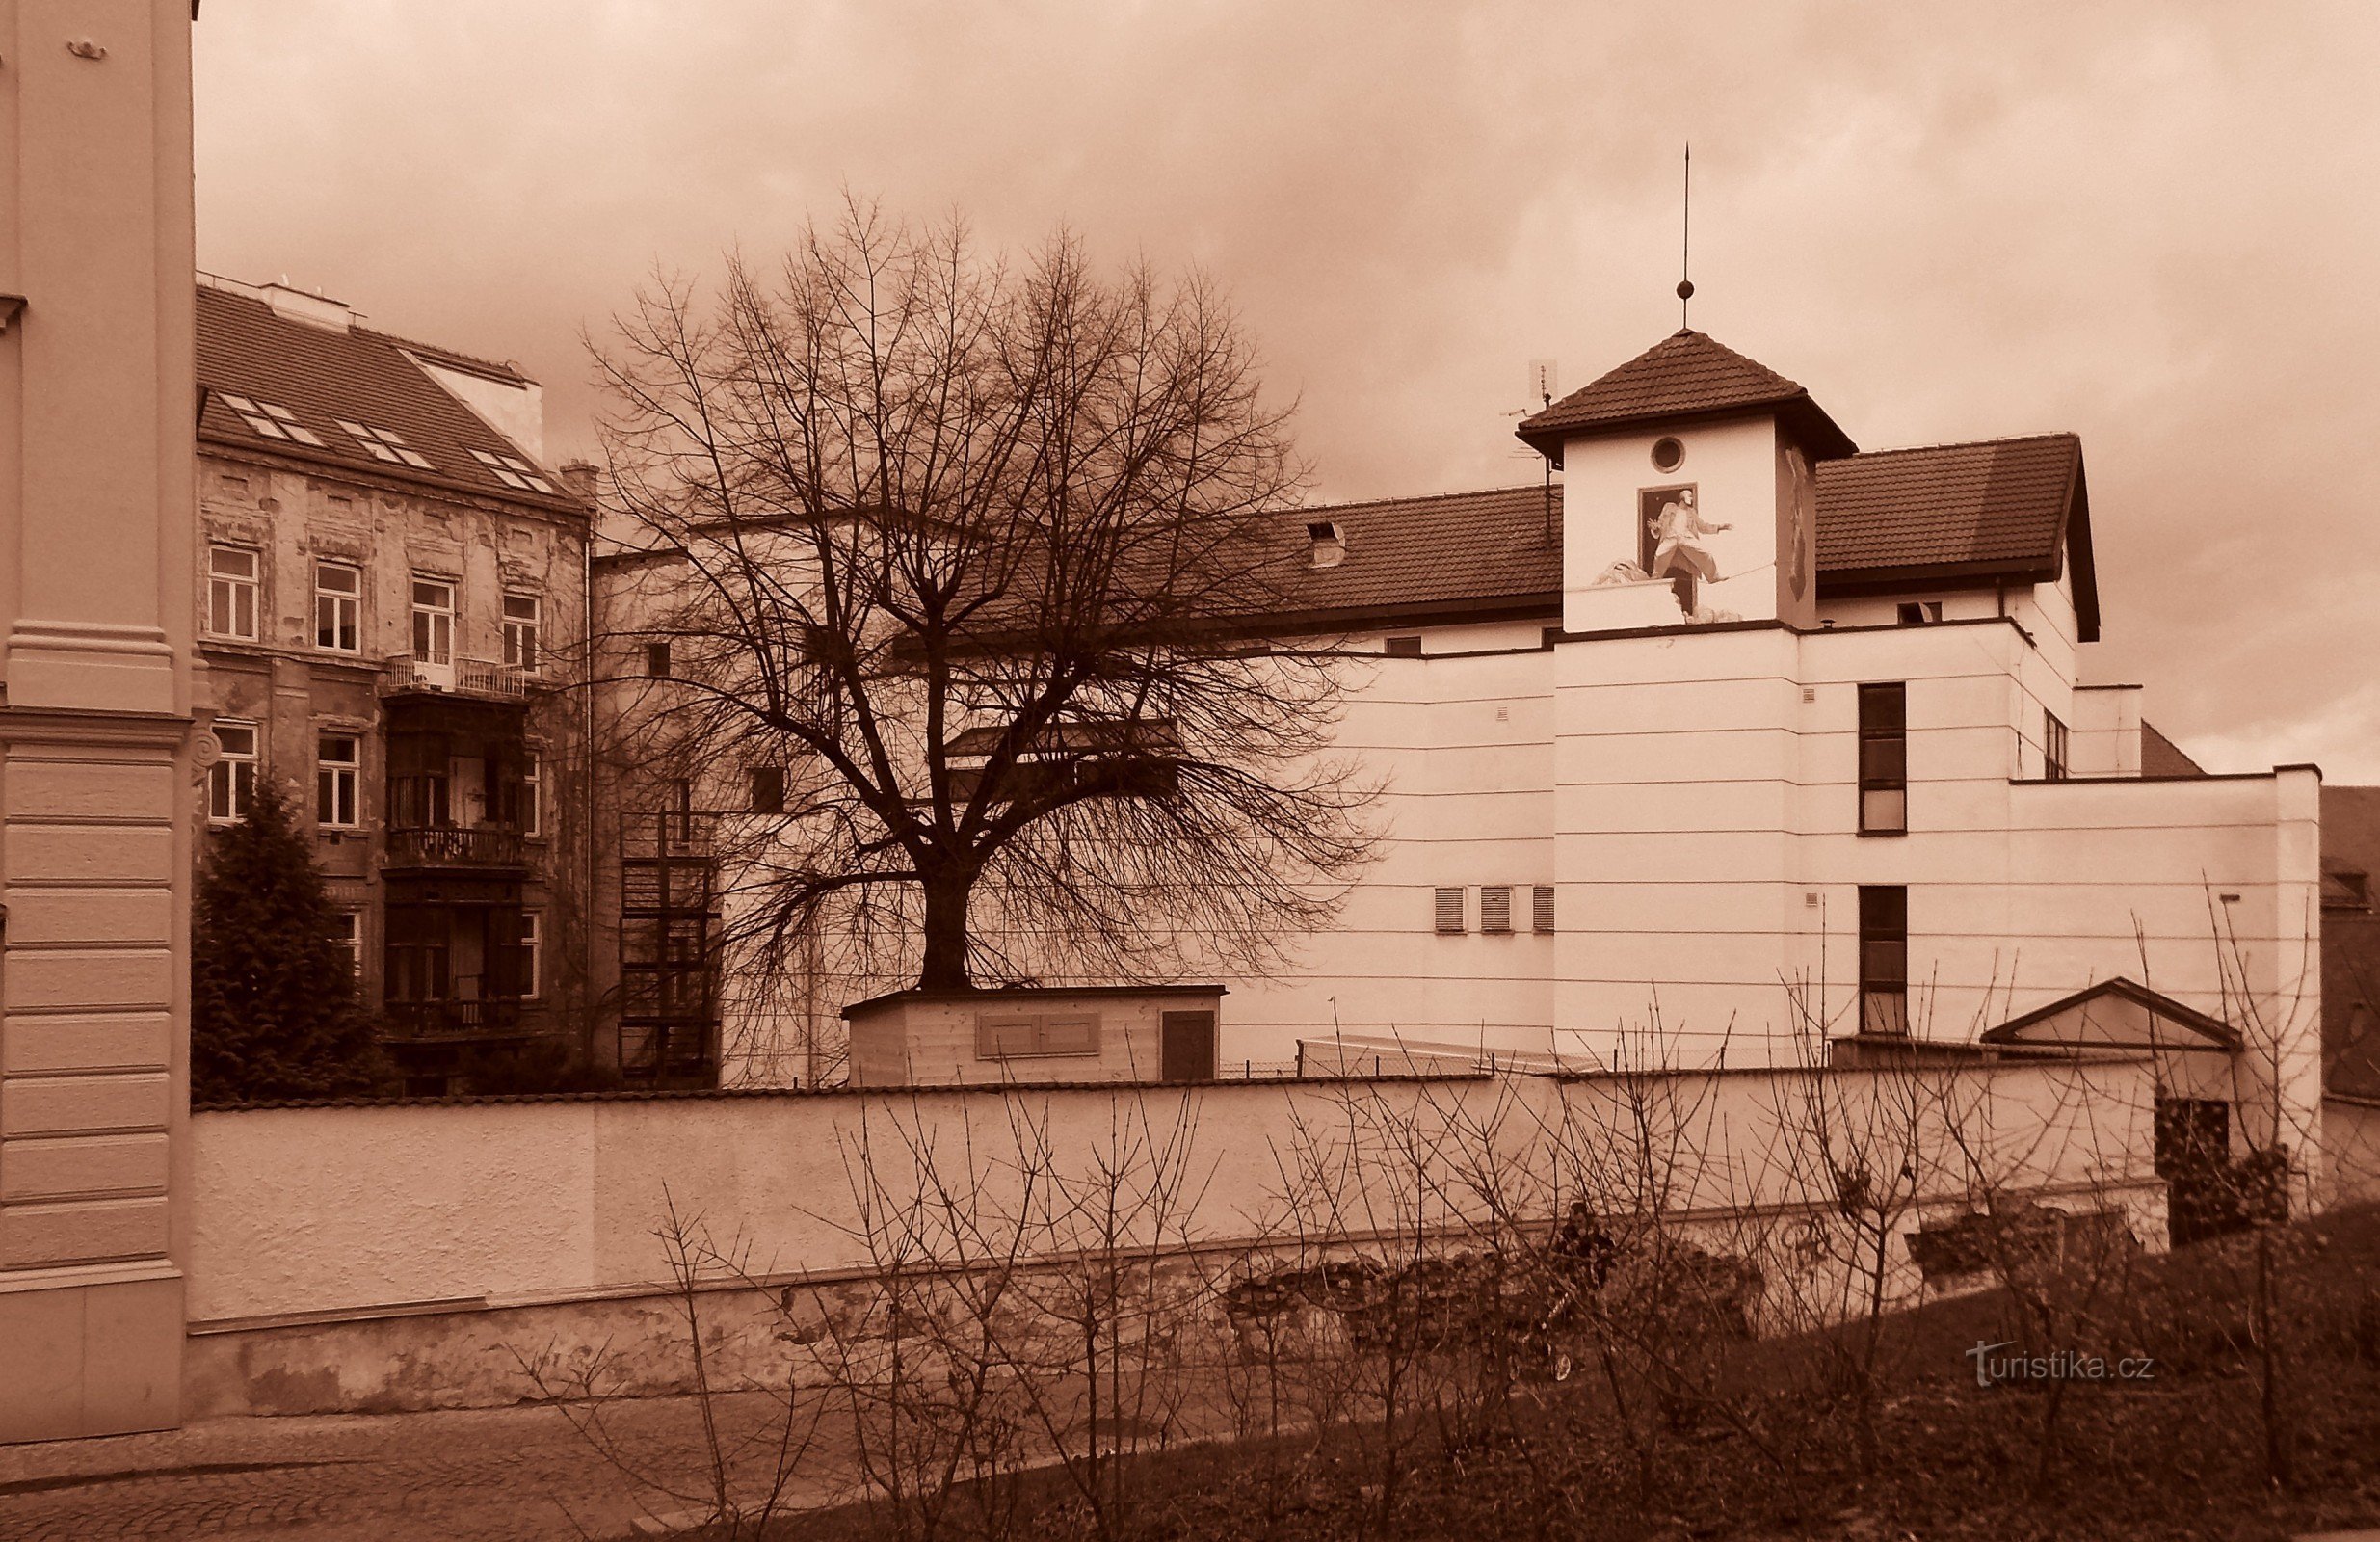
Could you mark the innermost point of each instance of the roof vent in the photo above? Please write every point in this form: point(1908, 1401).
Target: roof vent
point(292, 304)
point(1330, 543)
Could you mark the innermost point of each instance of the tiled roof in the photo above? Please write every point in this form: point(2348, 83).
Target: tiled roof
point(2002, 504)
point(1996, 501)
point(1456, 549)
point(2161, 756)
point(322, 376)
point(1686, 374)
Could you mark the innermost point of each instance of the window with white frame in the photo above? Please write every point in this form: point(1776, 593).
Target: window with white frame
point(271, 419)
point(523, 621)
point(339, 606)
point(434, 619)
point(233, 577)
point(338, 773)
point(514, 471)
point(532, 953)
point(383, 444)
point(347, 930)
point(231, 780)
point(532, 795)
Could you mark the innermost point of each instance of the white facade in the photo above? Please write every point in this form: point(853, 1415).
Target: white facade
point(1691, 793)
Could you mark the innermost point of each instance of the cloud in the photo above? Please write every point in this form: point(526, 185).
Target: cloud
point(2145, 223)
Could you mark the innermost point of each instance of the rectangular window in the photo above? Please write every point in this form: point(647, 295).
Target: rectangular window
point(1884, 759)
point(1448, 904)
point(232, 580)
point(1540, 909)
point(532, 953)
point(1403, 647)
point(1009, 1035)
point(2052, 746)
point(1495, 908)
point(1884, 958)
point(513, 471)
point(339, 606)
point(1920, 612)
point(533, 794)
point(271, 419)
point(768, 789)
point(347, 930)
point(339, 769)
point(433, 621)
point(657, 660)
point(231, 780)
point(385, 444)
point(523, 617)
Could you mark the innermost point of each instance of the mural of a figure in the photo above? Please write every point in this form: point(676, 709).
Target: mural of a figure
point(1678, 533)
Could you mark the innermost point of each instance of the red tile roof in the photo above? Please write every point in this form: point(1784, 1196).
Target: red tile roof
point(1684, 375)
point(2161, 756)
point(1999, 508)
point(2000, 500)
point(1456, 550)
point(321, 376)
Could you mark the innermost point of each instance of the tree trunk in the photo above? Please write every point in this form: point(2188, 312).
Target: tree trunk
point(946, 967)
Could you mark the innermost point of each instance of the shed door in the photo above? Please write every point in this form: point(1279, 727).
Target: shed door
point(1186, 1047)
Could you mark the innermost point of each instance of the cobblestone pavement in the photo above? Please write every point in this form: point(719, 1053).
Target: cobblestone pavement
point(505, 1472)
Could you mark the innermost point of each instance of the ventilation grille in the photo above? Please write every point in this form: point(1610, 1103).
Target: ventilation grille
point(1495, 908)
point(1540, 909)
point(1449, 911)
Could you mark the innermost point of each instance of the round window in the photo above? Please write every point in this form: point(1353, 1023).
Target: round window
point(1667, 455)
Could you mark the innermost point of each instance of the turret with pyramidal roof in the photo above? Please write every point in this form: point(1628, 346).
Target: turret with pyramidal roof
point(1688, 490)
point(1686, 377)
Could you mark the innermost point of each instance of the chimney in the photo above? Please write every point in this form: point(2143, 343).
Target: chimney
point(292, 304)
point(579, 478)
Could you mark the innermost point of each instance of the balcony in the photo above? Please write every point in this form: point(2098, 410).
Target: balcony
point(456, 677)
point(476, 846)
point(499, 1018)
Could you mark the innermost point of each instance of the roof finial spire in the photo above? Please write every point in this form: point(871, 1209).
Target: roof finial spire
point(1685, 241)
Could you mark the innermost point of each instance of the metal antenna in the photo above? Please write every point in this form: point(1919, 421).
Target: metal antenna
point(1685, 241)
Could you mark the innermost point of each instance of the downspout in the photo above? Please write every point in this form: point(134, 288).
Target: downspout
point(587, 794)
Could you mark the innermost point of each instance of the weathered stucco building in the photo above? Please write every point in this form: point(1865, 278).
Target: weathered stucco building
point(391, 591)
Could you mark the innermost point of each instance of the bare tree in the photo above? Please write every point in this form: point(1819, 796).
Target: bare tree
point(974, 556)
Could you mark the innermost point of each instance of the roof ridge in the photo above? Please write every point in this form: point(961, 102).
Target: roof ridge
point(442, 353)
point(1968, 444)
point(1425, 497)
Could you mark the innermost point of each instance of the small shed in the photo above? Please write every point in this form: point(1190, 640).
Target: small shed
point(1040, 1033)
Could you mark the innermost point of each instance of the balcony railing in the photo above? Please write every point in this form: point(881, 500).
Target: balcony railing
point(499, 1018)
point(454, 846)
point(464, 677)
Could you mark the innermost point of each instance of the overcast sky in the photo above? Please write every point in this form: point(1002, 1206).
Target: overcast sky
point(2154, 224)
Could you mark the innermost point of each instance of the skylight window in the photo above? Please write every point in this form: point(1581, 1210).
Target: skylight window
point(271, 419)
point(382, 445)
point(514, 472)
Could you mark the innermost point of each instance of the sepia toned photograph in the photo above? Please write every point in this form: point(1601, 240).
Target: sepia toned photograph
point(797, 771)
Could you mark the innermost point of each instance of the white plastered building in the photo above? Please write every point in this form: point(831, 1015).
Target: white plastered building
point(1846, 782)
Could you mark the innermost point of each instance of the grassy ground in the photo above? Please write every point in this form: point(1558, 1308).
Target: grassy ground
point(1771, 1450)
